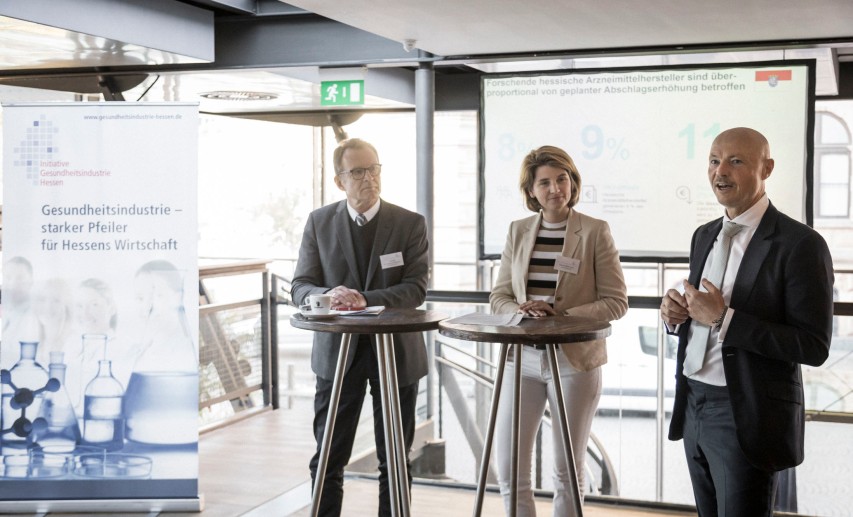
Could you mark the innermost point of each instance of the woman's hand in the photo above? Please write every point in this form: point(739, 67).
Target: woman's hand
point(536, 309)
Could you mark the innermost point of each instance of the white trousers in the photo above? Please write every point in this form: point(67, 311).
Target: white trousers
point(581, 391)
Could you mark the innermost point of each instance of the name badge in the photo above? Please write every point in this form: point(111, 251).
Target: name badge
point(391, 260)
point(567, 265)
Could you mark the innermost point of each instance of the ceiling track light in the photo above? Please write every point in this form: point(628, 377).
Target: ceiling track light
point(228, 95)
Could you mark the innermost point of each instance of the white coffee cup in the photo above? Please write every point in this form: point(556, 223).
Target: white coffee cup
point(318, 304)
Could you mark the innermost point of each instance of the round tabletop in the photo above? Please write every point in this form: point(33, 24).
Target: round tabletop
point(547, 330)
point(390, 321)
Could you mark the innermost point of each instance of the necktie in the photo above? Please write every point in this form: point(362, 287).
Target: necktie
point(360, 220)
point(720, 256)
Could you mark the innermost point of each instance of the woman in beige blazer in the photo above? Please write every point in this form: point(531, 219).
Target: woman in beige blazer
point(558, 261)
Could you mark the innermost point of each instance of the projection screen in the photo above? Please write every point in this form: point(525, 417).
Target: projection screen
point(640, 139)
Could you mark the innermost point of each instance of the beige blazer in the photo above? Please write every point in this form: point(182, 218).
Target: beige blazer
point(596, 291)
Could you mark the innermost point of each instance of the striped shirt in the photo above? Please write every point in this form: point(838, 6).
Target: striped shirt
point(541, 275)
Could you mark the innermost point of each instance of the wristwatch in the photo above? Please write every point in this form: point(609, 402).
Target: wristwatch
point(718, 323)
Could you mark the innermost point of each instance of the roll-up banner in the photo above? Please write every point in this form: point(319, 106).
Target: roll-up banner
point(99, 349)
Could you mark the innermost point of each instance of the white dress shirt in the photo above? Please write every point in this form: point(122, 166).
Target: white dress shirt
point(712, 369)
point(369, 215)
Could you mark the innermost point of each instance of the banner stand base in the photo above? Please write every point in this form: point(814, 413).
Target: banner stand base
point(148, 506)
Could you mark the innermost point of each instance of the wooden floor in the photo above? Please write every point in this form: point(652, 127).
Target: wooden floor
point(258, 468)
point(269, 476)
point(360, 498)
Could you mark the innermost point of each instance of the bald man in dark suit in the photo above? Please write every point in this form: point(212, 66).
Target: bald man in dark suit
point(739, 404)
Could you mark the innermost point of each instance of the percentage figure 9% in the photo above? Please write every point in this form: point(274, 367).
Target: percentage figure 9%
point(596, 143)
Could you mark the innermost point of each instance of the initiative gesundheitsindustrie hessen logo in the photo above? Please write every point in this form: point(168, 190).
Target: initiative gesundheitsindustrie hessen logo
point(37, 146)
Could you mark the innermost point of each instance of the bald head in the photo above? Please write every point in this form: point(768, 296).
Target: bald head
point(747, 137)
point(738, 165)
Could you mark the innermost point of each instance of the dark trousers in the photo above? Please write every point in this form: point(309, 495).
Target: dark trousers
point(362, 372)
point(725, 483)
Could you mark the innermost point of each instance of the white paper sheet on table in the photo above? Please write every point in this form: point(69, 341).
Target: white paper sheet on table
point(479, 318)
point(373, 310)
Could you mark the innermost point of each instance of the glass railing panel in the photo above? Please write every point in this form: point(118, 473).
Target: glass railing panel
point(823, 479)
point(627, 422)
point(233, 341)
point(629, 432)
point(829, 387)
point(463, 402)
point(230, 363)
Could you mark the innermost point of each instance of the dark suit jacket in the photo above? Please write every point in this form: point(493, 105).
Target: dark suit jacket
point(327, 259)
point(782, 299)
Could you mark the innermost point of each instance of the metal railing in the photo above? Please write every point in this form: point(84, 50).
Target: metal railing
point(236, 359)
point(447, 373)
point(472, 428)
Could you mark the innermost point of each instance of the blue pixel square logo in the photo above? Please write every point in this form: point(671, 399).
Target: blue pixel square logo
point(36, 147)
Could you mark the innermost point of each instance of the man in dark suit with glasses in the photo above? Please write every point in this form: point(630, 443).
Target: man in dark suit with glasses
point(363, 251)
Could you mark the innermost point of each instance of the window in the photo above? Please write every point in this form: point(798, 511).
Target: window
point(454, 243)
point(832, 166)
point(254, 191)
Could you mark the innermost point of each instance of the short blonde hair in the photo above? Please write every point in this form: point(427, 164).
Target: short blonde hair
point(555, 157)
point(350, 143)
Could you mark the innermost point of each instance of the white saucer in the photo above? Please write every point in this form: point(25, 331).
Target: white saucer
point(309, 316)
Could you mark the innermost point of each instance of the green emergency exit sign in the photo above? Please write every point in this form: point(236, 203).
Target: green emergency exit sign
point(341, 93)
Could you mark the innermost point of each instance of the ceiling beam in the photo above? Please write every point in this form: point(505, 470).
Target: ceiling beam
point(301, 40)
point(165, 25)
point(267, 41)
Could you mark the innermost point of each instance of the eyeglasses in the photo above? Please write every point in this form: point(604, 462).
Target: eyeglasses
point(358, 173)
